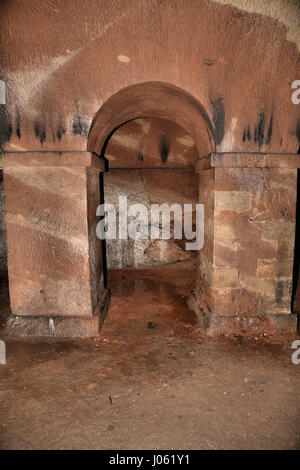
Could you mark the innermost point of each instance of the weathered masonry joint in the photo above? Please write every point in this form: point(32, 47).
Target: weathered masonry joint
point(245, 275)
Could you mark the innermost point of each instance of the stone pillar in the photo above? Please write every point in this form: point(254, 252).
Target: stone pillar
point(54, 257)
point(245, 270)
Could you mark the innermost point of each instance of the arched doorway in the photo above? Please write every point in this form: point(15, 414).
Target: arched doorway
point(243, 279)
point(151, 135)
point(152, 99)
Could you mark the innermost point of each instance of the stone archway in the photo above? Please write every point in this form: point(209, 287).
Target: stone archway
point(55, 275)
point(156, 104)
point(244, 278)
point(152, 99)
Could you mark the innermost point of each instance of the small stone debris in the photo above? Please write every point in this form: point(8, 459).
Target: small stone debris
point(240, 338)
point(151, 325)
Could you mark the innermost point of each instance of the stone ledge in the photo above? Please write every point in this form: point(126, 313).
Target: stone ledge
point(253, 326)
point(63, 327)
point(48, 158)
point(215, 325)
point(248, 160)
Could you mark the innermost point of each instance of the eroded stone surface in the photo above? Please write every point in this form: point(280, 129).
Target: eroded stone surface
point(49, 250)
point(131, 63)
point(248, 271)
point(148, 187)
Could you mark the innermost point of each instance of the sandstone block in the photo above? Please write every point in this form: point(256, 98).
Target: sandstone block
point(237, 201)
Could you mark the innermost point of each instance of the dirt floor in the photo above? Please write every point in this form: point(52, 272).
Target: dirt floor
point(152, 380)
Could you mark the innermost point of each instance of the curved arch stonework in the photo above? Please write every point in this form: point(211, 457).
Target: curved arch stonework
point(152, 99)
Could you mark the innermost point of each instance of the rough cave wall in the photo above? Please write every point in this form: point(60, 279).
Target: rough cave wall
point(238, 58)
point(151, 162)
point(171, 186)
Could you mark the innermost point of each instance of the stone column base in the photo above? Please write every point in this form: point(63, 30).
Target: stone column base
point(214, 325)
point(63, 327)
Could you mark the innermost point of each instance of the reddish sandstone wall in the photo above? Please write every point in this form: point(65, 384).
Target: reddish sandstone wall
point(170, 186)
point(62, 60)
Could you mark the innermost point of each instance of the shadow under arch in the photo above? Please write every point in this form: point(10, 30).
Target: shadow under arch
point(152, 99)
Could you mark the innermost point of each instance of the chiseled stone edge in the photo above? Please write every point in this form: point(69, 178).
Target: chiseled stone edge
point(63, 327)
point(268, 324)
point(215, 325)
point(53, 158)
